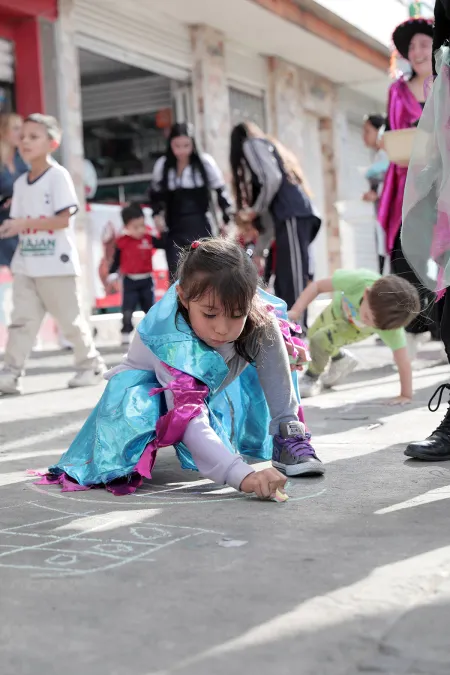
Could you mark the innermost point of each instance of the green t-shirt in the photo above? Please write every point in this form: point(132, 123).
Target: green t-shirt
point(349, 286)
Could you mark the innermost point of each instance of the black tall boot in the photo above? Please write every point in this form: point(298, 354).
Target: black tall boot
point(436, 447)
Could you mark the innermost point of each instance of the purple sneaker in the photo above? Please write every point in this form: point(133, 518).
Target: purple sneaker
point(293, 453)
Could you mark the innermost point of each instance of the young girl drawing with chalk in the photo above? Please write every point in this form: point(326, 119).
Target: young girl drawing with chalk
point(209, 372)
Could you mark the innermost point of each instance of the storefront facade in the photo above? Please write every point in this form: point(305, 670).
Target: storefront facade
point(125, 71)
point(217, 76)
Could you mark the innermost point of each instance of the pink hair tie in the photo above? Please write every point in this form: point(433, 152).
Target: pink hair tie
point(195, 244)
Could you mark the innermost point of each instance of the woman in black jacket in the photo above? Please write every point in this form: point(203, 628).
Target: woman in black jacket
point(180, 193)
point(426, 233)
point(267, 178)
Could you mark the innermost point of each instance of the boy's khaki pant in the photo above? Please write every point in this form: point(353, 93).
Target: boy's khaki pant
point(327, 336)
point(60, 297)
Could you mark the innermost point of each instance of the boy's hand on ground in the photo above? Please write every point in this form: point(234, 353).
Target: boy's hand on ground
point(264, 483)
point(400, 400)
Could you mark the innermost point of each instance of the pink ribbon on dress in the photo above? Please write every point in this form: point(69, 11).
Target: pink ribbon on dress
point(188, 398)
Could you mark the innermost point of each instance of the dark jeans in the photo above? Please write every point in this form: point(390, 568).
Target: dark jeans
point(136, 293)
point(7, 246)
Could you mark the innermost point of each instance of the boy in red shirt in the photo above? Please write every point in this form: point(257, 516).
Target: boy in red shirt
point(133, 259)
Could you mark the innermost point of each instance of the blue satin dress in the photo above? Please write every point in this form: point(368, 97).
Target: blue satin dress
point(123, 423)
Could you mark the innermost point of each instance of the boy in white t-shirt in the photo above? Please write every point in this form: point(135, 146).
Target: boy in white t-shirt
point(45, 266)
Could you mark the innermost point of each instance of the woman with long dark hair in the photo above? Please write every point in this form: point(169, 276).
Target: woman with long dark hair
point(180, 193)
point(426, 209)
point(267, 178)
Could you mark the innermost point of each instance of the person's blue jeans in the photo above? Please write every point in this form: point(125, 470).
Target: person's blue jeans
point(7, 246)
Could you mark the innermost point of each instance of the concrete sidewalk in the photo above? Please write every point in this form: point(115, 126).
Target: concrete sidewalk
point(351, 575)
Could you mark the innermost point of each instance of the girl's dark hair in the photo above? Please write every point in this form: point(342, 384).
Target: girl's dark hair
point(376, 120)
point(177, 130)
point(237, 160)
point(222, 267)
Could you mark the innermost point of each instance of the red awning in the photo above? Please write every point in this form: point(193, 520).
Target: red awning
point(47, 9)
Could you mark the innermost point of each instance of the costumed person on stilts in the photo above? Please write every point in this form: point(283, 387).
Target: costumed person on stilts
point(412, 41)
point(426, 215)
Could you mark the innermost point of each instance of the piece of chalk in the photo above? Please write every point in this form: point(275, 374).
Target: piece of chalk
point(280, 497)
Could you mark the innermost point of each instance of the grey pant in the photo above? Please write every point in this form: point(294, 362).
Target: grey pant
point(60, 297)
point(274, 374)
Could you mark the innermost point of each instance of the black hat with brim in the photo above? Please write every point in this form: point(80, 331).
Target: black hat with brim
point(405, 32)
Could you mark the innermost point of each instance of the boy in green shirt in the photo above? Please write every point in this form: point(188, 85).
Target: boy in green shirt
point(363, 303)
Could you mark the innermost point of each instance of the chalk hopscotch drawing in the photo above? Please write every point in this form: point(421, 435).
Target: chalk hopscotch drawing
point(197, 492)
point(194, 492)
point(49, 547)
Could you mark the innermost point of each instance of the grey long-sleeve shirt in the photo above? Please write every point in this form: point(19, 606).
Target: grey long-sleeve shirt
point(265, 167)
point(212, 457)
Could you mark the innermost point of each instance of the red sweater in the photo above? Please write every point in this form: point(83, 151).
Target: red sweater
point(135, 254)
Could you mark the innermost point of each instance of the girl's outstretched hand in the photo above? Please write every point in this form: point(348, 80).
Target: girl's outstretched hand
point(264, 483)
point(301, 359)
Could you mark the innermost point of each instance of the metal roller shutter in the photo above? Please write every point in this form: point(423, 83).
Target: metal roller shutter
point(247, 81)
point(141, 95)
point(134, 33)
point(246, 108)
point(246, 70)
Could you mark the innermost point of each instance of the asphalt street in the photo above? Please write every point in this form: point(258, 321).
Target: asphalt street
point(351, 575)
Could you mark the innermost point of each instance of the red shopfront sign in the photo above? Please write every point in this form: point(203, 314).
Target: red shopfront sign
point(19, 23)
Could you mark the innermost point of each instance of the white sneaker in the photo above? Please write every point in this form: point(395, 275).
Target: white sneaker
point(413, 344)
point(339, 369)
point(87, 378)
point(65, 344)
point(10, 383)
point(309, 386)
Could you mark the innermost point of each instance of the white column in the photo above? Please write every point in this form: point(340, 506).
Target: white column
point(70, 114)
